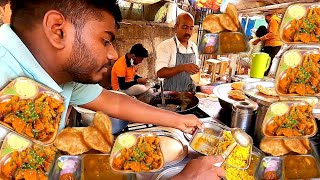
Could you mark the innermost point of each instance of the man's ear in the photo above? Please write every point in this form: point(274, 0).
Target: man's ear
point(54, 25)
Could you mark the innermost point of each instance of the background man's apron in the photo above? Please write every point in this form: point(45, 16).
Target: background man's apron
point(181, 82)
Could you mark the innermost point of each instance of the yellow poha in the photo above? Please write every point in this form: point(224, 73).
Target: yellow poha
point(236, 174)
point(239, 156)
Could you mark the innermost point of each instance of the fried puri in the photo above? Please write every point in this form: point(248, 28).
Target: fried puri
point(227, 23)
point(212, 23)
point(103, 123)
point(237, 95)
point(275, 147)
point(295, 145)
point(237, 85)
point(95, 139)
point(233, 13)
point(267, 91)
point(70, 140)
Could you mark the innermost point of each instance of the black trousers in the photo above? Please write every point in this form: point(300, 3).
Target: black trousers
point(272, 51)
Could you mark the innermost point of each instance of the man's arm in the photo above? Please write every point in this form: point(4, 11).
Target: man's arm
point(167, 72)
point(123, 85)
point(127, 108)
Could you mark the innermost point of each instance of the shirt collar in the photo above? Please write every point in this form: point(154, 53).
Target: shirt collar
point(179, 43)
point(23, 56)
point(128, 61)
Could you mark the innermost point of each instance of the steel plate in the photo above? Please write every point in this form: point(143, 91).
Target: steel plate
point(221, 91)
point(252, 92)
point(168, 173)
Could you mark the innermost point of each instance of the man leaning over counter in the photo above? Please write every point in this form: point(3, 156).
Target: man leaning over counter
point(67, 51)
point(177, 57)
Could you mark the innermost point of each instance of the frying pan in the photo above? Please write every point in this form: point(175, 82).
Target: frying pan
point(185, 100)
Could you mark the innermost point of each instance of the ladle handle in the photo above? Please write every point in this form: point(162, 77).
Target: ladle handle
point(163, 101)
point(226, 153)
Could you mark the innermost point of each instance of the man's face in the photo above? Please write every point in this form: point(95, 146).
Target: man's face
point(137, 60)
point(92, 50)
point(184, 29)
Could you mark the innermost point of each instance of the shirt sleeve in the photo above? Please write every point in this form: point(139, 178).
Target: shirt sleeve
point(163, 56)
point(272, 31)
point(85, 93)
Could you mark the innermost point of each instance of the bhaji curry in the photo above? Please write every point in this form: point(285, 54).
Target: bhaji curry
point(306, 29)
point(33, 163)
point(36, 118)
point(303, 79)
point(146, 155)
point(299, 121)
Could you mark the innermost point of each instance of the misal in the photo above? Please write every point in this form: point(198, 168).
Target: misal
point(31, 163)
point(298, 121)
point(146, 155)
point(36, 118)
point(302, 79)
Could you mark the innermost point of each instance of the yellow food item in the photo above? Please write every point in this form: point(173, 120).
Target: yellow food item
point(279, 108)
point(292, 58)
point(297, 11)
point(236, 174)
point(16, 142)
point(25, 88)
point(205, 143)
point(239, 157)
point(127, 140)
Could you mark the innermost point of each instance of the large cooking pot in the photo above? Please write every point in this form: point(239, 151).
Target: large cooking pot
point(186, 101)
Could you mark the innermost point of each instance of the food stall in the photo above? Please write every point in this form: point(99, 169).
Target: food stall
point(279, 147)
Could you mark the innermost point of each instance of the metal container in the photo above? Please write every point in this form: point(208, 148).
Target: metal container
point(263, 101)
point(19, 87)
point(243, 115)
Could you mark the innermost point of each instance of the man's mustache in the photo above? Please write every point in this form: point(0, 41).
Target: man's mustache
point(187, 35)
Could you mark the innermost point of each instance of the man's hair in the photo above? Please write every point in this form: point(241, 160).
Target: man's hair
point(25, 13)
point(261, 31)
point(139, 51)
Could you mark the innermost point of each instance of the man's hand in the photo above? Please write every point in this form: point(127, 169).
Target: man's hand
point(189, 68)
point(202, 169)
point(142, 80)
point(255, 42)
point(188, 123)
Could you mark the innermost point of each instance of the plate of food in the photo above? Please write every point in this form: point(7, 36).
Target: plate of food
point(240, 157)
point(31, 110)
point(137, 152)
point(226, 34)
point(34, 161)
point(67, 167)
point(80, 140)
point(300, 24)
point(281, 147)
point(230, 93)
point(289, 119)
point(298, 73)
point(262, 92)
point(206, 141)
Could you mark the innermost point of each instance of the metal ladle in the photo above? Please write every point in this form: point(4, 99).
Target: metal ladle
point(241, 138)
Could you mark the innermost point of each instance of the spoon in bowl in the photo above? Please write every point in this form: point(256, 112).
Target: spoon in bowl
point(241, 138)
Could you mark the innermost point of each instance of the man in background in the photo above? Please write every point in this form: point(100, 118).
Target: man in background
point(177, 57)
point(124, 72)
point(272, 42)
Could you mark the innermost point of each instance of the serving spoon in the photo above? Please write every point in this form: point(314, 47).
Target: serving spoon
point(241, 138)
